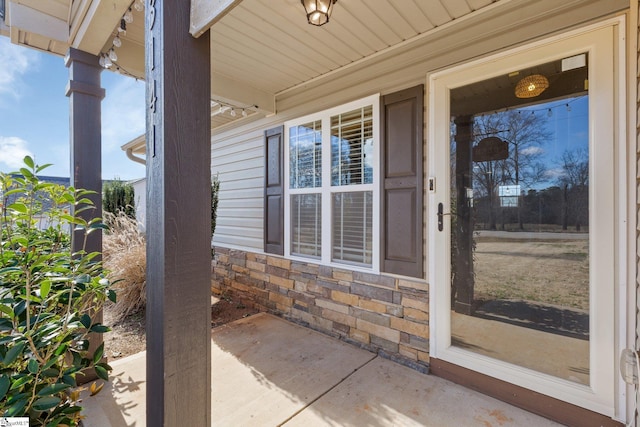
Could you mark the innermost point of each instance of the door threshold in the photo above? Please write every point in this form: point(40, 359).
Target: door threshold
point(529, 400)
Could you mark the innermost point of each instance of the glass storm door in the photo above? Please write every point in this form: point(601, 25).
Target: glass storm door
point(520, 226)
point(524, 165)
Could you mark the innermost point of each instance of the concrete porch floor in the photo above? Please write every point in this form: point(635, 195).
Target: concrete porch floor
point(270, 372)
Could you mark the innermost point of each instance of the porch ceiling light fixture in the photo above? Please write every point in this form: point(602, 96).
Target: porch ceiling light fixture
point(531, 86)
point(318, 11)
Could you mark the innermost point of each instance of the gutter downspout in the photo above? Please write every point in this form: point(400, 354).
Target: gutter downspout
point(136, 159)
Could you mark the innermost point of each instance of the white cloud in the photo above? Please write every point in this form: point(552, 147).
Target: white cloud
point(553, 174)
point(123, 113)
point(17, 61)
point(13, 150)
point(532, 151)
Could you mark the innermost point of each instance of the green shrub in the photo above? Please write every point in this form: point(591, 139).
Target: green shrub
point(118, 196)
point(48, 300)
point(215, 189)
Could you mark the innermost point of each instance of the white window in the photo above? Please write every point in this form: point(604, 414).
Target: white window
point(331, 210)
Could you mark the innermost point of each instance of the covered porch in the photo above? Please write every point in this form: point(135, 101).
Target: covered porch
point(269, 372)
point(223, 79)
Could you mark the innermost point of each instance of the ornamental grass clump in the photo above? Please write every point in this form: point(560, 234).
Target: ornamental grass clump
point(48, 299)
point(125, 256)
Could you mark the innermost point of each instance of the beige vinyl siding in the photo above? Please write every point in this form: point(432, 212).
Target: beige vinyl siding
point(238, 161)
point(238, 149)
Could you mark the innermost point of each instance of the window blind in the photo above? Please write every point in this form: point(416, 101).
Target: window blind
point(306, 225)
point(352, 147)
point(352, 227)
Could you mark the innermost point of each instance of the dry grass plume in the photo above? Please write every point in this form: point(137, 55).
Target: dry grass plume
point(125, 257)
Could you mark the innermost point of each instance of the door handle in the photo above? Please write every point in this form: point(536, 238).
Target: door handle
point(441, 215)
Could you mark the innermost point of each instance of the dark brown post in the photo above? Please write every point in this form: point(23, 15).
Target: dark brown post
point(85, 96)
point(85, 135)
point(178, 218)
point(463, 280)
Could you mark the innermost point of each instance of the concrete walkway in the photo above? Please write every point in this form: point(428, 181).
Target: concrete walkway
point(269, 372)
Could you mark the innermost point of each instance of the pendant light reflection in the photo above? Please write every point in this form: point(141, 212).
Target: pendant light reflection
point(318, 11)
point(531, 86)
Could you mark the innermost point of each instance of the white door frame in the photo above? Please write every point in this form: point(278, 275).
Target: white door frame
point(607, 204)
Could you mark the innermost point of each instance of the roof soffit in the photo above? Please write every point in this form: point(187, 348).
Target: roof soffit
point(260, 53)
point(205, 13)
point(95, 24)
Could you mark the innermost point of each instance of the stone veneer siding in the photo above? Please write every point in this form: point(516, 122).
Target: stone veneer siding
point(383, 314)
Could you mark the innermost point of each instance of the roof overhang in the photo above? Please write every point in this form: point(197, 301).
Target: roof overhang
point(266, 58)
point(205, 13)
point(135, 149)
point(56, 25)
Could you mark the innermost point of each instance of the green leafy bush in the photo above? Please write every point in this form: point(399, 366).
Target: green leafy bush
point(119, 196)
point(215, 190)
point(48, 300)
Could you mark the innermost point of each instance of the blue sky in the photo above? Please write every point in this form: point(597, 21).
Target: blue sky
point(34, 114)
point(568, 127)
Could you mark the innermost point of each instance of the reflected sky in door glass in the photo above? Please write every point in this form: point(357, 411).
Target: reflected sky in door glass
point(566, 122)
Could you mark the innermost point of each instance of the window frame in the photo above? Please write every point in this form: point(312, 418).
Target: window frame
point(327, 190)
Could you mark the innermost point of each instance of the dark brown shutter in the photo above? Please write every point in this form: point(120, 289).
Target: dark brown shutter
point(274, 191)
point(402, 188)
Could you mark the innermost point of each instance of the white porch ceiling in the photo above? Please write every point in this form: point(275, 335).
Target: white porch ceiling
point(259, 49)
point(273, 48)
